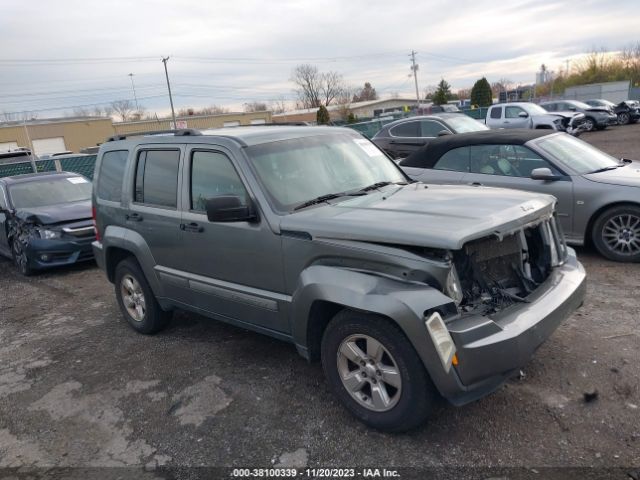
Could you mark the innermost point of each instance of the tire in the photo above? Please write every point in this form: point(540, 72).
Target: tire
point(616, 233)
point(624, 118)
point(140, 307)
point(589, 124)
point(20, 257)
point(409, 402)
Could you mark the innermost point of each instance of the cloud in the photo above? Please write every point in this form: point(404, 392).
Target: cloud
point(261, 42)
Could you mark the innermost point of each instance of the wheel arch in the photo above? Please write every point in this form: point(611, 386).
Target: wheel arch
point(588, 234)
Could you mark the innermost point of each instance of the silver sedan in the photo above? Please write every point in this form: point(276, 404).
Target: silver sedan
point(598, 195)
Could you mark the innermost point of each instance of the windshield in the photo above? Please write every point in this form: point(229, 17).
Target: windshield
point(298, 170)
point(533, 109)
point(576, 154)
point(463, 124)
point(577, 104)
point(41, 193)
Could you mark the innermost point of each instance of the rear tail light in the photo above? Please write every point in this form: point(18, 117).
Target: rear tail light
point(95, 225)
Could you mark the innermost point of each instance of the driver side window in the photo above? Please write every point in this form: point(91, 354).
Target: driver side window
point(212, 175)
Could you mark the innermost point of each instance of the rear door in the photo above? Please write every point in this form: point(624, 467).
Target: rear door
point(154, 212)
point(405, 139)
point(510, 166)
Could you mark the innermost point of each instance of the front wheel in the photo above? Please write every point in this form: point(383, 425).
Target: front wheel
point(589, 124)
point(136, 299)
point(616, 233)
point(624, 118)
point(20, 257)
point(375, 372)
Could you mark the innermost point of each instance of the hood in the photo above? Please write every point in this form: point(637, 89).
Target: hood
point(599, 110)
point(628, 176)
point(434, 216)
point(564, 114)
point(62, 213)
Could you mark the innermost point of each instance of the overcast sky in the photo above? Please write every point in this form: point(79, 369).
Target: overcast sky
point(55, 55)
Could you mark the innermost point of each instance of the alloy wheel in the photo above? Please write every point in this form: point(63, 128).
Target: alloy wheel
point(369, 373)
point(133, 298)
point(623, 118)
point(589, 125)
point(621, 234)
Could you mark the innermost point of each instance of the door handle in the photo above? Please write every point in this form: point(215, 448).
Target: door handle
point(191, 227)
point(475, 184)
point(134, 217)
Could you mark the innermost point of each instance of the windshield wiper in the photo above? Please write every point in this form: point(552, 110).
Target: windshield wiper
point(610, 167)
point(377, 185)
point(324, 198)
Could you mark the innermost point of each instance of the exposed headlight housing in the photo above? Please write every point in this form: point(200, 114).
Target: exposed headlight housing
point(48, 234)
point(441, 340)
point(452, 287)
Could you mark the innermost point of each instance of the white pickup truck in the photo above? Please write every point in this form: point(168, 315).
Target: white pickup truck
point(530, 115)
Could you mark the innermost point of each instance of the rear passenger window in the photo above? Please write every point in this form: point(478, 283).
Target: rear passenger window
point(408, 129)
point(157, 178)
point(456, 160)
point(496, 112)
point(111, 175)
point(212, 175)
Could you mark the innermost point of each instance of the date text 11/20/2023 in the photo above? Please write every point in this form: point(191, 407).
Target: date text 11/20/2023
point(314, 473)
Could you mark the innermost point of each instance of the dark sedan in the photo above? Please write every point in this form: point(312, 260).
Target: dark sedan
point(403, 137)
point(45, 220)
point(627, 111)
point(598, 195)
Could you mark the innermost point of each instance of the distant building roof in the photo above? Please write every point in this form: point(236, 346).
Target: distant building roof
point(352, 105)
point(44, 121)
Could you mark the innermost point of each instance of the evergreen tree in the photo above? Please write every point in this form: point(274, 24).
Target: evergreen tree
point(481, 93)
point(322, 117)
point(443, 93)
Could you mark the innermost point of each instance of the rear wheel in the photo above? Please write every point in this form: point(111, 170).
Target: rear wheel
point(616, 233)
point(20, 257)
point(375, 372)
point(136, 299)
point(624, 118)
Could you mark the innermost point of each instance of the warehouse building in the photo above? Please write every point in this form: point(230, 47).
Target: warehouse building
point(55, 135)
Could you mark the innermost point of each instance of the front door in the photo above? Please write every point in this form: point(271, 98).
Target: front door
point(512, 118)
point(234, 269)
point(510, 166)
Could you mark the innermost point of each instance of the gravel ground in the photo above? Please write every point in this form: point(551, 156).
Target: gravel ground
point(79, 388)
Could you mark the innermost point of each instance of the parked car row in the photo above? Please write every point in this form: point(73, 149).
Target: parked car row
point(408, 281)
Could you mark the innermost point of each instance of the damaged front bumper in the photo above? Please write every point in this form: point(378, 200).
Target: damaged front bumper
point(48, 253)
point(490, 349)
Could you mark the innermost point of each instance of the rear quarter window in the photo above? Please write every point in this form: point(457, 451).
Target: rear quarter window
point(496, 112)
point(111, 175)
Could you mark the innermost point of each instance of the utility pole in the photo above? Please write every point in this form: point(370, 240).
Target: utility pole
point(173, 113)
point(414, 68)
point(134, 92)
point(33, 156)
point(566, 72)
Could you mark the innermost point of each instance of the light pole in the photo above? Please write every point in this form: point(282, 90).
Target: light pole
point(166, 73)
point(134, 92)
point(414, 68)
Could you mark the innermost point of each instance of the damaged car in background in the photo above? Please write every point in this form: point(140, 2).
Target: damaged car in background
point(404, 291)
point(45, 220)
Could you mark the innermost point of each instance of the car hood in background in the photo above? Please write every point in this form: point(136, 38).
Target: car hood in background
point(62, 213)
point(628, 176)
point(434, 216)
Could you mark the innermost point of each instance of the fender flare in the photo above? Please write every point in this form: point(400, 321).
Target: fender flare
point(404, 303)
point(133, 242)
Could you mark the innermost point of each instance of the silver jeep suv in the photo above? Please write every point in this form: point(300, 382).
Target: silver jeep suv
point(404, 291)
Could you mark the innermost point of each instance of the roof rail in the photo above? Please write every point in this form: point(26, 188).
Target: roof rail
point(183, 132)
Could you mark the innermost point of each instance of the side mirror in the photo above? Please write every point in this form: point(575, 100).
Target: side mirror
point(523, 115)
point(229, 208)
point(543, 174)
point(442, 133)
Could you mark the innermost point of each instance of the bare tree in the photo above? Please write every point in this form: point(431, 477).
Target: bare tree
point(308, 81)
point(331, 87)
point(123, 109)
point(212, 110)
point(279, 105)
point(255, 106)
point(315, 88)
